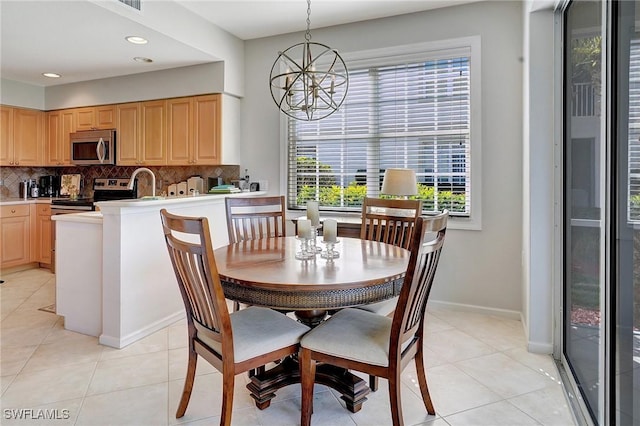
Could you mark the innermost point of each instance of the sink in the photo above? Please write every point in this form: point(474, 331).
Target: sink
point(151, 197)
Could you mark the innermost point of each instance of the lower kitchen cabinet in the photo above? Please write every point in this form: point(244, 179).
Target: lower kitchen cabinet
point(43, 233)
point(15, 235)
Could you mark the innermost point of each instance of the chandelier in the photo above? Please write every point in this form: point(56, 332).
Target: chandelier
point(309, 81)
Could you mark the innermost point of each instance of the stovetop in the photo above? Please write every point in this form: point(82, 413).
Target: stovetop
point(104, 189)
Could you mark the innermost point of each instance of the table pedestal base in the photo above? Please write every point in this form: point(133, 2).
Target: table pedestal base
point(264, 385)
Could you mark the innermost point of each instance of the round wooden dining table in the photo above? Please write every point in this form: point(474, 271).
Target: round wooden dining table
point(266, 272)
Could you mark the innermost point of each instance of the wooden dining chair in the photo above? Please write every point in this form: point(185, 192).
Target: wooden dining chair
point(232, 343)
point(252, 218)
point(390, 221)
point(375, 344)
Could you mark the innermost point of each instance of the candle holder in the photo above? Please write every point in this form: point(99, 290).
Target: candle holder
point(305, 252)
point(330, 253)
point(313, 241)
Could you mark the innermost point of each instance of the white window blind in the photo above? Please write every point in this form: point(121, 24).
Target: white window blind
point(414, 114)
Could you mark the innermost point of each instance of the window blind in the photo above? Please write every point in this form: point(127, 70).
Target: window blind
point(414, 114)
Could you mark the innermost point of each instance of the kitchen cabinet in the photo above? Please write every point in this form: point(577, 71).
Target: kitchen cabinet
point(15, 235)
point(59, 125)
point(141, 135)
point(100, 117)
point(22, 137)
point(194, 130)
point(43, 235)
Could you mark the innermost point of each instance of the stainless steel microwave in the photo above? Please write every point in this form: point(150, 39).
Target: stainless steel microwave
point(93, 147)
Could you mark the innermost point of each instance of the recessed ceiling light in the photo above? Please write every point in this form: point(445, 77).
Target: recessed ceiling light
point(136, 40)
point(141, 59)
point(51, 75)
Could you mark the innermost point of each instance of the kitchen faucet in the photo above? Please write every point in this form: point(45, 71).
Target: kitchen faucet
point(153, 179)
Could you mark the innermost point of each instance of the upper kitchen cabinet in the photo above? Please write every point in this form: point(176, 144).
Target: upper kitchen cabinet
point(100, 117)
point(59, 125)
point(140, 133)
point(194, 130)
point(22, 137)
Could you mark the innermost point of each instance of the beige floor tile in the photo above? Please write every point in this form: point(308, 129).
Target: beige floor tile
point(77, 350)
point(133, 371)
point(542, 363)
point(455, 345)
point(178, 364)
point(35, 388)
point(497, 414)
point(156, 342)
point(503, 375)
point(58, 413)
point(14, 358)
point(453, 391)
point(548, 406)
point(5, 381)
point(139, 406)
point(206, 398)
point(24, 336)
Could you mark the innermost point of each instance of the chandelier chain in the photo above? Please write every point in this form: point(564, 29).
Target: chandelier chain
point(307, 35)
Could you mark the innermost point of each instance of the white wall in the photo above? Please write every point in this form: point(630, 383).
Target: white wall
point(480, 268)
point(185, 81)
point(22, 95)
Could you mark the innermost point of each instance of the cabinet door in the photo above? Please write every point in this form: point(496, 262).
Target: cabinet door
point(6, 136)
point(14, 233)
point(106, 117)
point(154, 143)
point(43, 233)
point(85, 118)
point(53, 129)
point(179, 132)
point(128, 134)
point(207, 129)
point(67, 126)
point(28, 137)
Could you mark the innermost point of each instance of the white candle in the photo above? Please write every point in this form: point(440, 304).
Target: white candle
point(304, 228)
point(330, 230)
point(313, 213)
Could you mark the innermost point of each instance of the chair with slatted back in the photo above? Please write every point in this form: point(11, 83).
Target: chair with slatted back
point(376, 344)
point(232, 343)
point(252, 218)
point(389, 221)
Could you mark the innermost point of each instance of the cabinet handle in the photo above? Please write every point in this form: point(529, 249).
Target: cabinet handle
point(13, 210)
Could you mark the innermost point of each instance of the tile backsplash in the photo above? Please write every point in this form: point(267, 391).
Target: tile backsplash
point(165, 176)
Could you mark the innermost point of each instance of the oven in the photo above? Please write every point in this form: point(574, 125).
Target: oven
point(104, 189)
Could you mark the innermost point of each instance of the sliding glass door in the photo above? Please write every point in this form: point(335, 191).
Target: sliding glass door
point(601, 208)
point(584, 199)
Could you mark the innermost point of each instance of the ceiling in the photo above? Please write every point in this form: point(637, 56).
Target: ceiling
point(84, 39)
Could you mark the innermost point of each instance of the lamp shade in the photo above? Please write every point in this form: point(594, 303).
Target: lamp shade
point(399, 182)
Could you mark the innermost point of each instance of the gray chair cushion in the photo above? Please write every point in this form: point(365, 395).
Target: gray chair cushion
point(353, 334)
point(259, 330)
point(385, 307)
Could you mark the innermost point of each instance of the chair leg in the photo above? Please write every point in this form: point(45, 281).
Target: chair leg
point(373, 383)
point(188, 383)
point(236, 306)
point(395, 399)
point(307, 375)
point(228, 383)
point(422, 381)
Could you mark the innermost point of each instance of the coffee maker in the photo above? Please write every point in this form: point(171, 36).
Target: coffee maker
point(49, 186)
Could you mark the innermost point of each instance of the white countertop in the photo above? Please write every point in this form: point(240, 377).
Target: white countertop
point(10, 201)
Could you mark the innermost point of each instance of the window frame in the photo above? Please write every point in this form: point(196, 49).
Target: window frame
point(420, 51)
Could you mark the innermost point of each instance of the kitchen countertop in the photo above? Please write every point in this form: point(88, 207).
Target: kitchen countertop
point(9, 201)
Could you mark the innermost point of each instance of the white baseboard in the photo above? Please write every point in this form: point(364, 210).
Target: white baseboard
point(540, 348)
point(504, 313)
point(121, 342)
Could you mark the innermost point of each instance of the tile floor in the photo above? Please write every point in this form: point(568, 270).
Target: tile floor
point(479, 373)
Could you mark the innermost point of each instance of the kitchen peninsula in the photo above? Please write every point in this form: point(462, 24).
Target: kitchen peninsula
point(114, 278)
